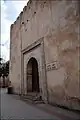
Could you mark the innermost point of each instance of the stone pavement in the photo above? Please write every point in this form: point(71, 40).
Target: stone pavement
point(12, 108)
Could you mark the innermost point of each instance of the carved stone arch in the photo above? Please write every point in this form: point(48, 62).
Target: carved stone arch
point(31, 56)
point(35, 50)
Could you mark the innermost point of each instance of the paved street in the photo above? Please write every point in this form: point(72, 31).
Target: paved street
point(12, 108)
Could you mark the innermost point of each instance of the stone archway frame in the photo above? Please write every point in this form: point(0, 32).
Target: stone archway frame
point(42, 69)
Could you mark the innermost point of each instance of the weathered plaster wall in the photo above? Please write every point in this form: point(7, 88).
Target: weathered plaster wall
point(37, 21)
point(15, 57)
point(58, 22)
point(62, 45)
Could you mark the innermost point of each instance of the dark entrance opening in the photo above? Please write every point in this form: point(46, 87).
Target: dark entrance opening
point(32, 76)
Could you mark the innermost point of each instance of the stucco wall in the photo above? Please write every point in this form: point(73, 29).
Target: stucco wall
point(62, 46)
point(58, 22)
point(15, 57)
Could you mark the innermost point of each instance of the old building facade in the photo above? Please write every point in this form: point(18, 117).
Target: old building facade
point(44, 51)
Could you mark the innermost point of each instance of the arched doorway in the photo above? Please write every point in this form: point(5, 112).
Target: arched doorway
point(32, 76)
